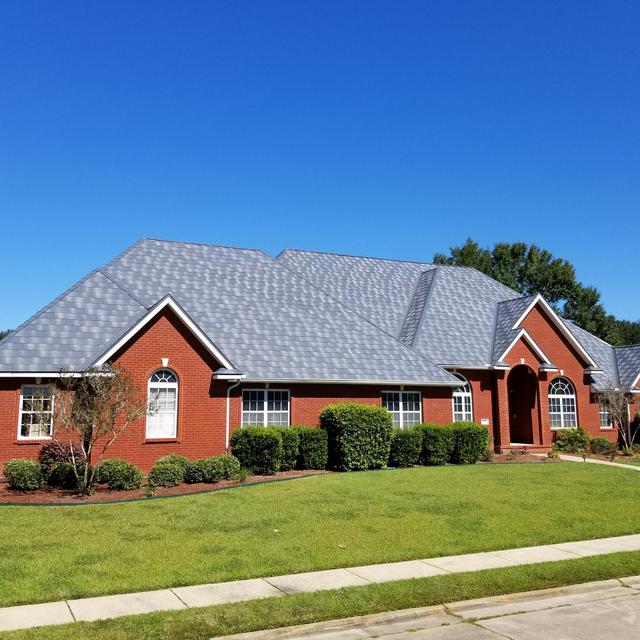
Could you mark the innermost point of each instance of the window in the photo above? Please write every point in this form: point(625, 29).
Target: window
point(404, 406)
point(162, 421)
point(265, 408)
point(462, 401)
point(562, 404)
point(606, 421)
point(36, 412)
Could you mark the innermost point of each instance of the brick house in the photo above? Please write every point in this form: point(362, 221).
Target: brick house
point(227, 337)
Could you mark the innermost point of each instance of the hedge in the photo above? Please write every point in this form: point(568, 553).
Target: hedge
point(406, 447)
point(214, 469)
point(166, 474)
point(23, 475)
point(119, 474)
point(359, 436)
point(571, 440)
point(173, 458)
point(437, 443)
point(290, 447)
point(312, 449)
point(53, 452)
point(470, 441)
point(259, 449)
point(603, 446)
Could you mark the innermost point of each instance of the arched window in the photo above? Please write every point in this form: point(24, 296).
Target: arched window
point(462, 401)
point(162, 421)
point(562, 404)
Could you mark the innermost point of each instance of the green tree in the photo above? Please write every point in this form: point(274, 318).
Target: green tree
point(4, 334)
point(530, 270)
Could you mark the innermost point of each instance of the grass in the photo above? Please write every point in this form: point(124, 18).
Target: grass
point(201, 624)
point(52, 553)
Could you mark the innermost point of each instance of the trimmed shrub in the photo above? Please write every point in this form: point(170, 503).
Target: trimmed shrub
point(214, 469)
point(470, 440)
point(166, 474)
point(23, 475)
point(571, 440)
point(312, 450)
point(258, 449)
point(359, 435)
point(53, 452)
point(118, 474)
point(406, 447)
point(602, 446)
point(290, 446)
point(180, 461)
point(62, 475)
point(437, 443)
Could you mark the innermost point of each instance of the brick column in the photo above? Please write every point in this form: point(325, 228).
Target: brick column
point(545, 418)
point(502, 411)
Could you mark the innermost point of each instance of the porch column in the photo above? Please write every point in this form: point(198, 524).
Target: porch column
point(502, 411)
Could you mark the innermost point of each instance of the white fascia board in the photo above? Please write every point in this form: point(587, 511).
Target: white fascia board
point(413, 383)
point(532, 343)
point(169, 302)
point(558, 323)
point(40, 374)
point(635, 382)
point(229, 376)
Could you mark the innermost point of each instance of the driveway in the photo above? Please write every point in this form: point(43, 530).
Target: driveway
point(607, 609)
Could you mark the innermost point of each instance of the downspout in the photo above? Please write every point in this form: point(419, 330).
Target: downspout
point(229, 389)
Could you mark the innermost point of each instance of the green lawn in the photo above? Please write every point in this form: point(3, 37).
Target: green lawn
point(205, 623)
point(50, 553)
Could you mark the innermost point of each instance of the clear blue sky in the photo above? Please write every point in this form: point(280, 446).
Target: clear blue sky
point(393, 129)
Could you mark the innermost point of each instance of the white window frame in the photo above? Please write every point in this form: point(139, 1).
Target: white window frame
point(464, 394)
point(561, 398)
point(21, 412)
point(162, 385)
point(400, 423)
point(604, 415)
point(265, 407)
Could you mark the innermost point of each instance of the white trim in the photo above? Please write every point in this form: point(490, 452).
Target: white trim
point(635, 382)
point(401, 410)
point(167, 301)
point(559, 324)
point(20, 413)
point(40, 374)
point(265, 402)
point(409, 383)
point(229, 376)
point(523, 333)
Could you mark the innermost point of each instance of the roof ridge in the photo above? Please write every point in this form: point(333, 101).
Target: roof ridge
point(358, 315)
point(202, 244)
point(46, 308)
point(415, 299)
point(117, 284)
point(350, 255)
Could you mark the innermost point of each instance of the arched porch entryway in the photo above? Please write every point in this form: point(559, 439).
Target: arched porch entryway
point(524, 412)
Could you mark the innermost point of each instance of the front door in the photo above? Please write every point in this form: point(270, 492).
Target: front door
point(523, 394)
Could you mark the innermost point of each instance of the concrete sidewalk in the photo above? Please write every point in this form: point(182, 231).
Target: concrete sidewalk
point(103, 607)
point(598, 610)
point(569, 458)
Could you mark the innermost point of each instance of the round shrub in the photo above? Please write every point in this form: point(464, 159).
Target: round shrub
point(118, 474)
point(470, 440)
point(166, 474)
point(571, 440)
point(406, 446)
point(290, 446)
point(602, 446)
point(258, 449)
point(23, 475)
point(180, 461)
point(214, 469)
point(437, 443)
point(359, 435)
point(312, 450)
point(52, 453)
point(62, 475)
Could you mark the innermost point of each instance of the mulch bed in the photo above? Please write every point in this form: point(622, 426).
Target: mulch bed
point(520, 457)
point(51, 495)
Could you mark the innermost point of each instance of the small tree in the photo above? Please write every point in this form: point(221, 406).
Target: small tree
point(91, 412)
point(616, 401)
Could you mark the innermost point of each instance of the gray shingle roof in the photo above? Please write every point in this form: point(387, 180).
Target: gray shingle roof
point(303, 316)
point(271, 323)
